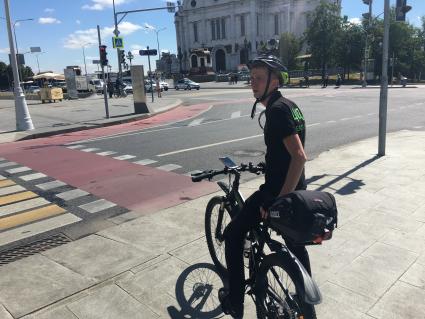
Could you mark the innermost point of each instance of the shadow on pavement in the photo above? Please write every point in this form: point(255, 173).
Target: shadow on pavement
point(196, 293)
point(352, 185)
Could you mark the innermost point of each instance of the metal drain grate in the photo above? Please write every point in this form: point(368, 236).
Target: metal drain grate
point(20, 252)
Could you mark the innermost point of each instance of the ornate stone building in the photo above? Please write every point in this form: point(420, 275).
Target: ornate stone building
point(223, 34)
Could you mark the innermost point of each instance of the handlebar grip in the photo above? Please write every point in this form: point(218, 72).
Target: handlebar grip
point(198, 178)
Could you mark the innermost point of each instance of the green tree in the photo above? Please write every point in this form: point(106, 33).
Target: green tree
point(289, 49)
point(324, 28)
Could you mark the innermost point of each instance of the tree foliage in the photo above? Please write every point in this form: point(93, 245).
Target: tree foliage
point(6, 74)
point(289, 49)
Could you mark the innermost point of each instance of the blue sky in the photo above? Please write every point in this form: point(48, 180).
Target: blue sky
point(62, 27)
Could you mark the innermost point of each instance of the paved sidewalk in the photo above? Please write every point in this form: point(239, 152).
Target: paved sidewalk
point(74, 115)
point(157, 265)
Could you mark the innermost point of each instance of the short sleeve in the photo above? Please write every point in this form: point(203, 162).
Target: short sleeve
point(280, 122)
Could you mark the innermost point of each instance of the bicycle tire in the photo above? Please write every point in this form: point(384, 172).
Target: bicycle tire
point(216, 246)
point(267, 305)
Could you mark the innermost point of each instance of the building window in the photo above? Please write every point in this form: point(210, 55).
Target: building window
point(276, 24)
point(195, 31)
point(213, 29)
point(217, 25)
point(223, 28)
point(242, 25)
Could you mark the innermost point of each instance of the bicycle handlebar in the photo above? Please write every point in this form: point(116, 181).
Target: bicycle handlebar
point(255, 169)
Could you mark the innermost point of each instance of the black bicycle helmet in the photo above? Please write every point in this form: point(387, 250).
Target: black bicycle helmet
point(273, 65)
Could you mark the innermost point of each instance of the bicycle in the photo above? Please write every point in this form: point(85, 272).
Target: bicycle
point(267, 273)
point(119, 92)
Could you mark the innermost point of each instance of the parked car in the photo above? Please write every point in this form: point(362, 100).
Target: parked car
point(148, 86)
point(96, 85)
point(33, 89)
point(186, 84)
point(164, 85)
point(128, 88)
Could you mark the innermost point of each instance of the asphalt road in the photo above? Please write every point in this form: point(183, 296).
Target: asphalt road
point(334, 117)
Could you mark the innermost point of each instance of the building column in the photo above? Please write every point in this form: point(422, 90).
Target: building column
point(253, 29)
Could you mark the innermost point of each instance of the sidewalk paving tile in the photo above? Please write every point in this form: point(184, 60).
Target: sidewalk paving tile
point(98, 257)
point(4, 314)
point(400, 302)
point(57, 313)
point(36, 281)
point(415, 276)
point(409, 241)
point(110, 302)
point(376, 270)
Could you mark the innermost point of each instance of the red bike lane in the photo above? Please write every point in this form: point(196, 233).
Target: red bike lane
point(130, 185)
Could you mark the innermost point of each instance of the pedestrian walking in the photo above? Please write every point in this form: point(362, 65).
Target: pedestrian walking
point(158, 88)
point(110, 87)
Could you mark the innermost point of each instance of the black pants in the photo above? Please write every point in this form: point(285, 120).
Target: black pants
point(235, 234)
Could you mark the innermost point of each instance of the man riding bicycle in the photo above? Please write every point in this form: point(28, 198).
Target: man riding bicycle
point(284, 136)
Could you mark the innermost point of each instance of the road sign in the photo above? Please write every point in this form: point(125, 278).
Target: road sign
point(35, 49)
point(148, 52)
point(118, 42)
point(96, 61)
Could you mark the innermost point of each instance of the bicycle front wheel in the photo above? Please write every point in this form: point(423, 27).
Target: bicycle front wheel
point(217, 217)
point(278, 294)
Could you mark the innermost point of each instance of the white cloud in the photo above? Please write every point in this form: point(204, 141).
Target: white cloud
point(148, 26)
point(49, 10)
point(356, 21)
point(48, 20)
point(77, 21)
point(76, 39)
point(5, 51)
point(99, 5)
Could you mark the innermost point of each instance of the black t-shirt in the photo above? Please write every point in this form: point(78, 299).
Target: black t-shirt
point(283, 118)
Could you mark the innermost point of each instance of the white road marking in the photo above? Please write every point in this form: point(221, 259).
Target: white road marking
point(7, 164)
point(314, 124)
point(72, 194)
point(145, 162)
point(329, 122)
point(97, 206)
point(235, 115)
point(91, 149)
point(370, 114)
point(169, 167)
point(32, 177)
point(11, 189)
point(18, 170)
point(50, 185)
point(124, 157)
point(32, 229)
point(106, 153)
point(418, 127)
point(21, 206)
point(73, 147)
point(196, 122)
point(2, 177)
point(210, 145)
point(345, 119)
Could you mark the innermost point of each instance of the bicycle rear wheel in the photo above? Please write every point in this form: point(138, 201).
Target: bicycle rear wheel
point(216, 220)
point(278, 293)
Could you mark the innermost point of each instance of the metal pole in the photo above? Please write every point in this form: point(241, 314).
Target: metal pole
point(157, 41)
point(38, 64)
point(150, 73)
point(23, 118)
point(105, 96)
point(116, 32)
point(364, 84)
point(383, 99)
point(84, 56)
point(392, 70)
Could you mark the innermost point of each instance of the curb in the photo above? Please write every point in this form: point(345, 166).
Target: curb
point(94, 125)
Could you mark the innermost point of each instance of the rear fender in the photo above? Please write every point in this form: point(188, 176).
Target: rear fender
point(310, 291)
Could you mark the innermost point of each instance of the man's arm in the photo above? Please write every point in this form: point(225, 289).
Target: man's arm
point(298, 158)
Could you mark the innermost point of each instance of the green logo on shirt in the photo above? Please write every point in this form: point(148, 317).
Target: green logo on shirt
point(296, 114)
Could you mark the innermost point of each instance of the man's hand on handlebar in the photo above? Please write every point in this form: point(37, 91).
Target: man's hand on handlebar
point(264, 213)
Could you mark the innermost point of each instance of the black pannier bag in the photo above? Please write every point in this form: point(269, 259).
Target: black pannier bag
point(304, 217)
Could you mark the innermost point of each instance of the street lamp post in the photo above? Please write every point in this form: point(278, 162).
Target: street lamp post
point(369, 15)
point(84, 56)
point(23, 118)
point(38, 64)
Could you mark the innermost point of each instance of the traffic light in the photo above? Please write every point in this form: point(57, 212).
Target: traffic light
point(401, 9)
point(122, 56)
point(103, 54)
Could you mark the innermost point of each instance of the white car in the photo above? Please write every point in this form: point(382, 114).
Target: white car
point(164, 85)
point(186, 84)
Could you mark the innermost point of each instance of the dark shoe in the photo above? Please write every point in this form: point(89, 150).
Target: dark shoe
point(226, 305)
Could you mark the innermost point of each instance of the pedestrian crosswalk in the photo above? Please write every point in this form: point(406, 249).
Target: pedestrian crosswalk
point(31, 203)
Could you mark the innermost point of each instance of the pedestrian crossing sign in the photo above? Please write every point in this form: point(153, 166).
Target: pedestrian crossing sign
point(117, 42)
